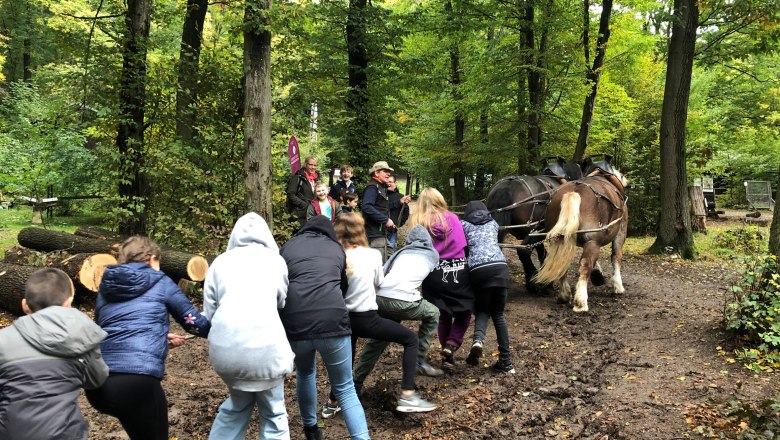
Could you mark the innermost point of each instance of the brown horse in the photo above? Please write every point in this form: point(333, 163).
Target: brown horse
point(518, 204)
point(589, 213)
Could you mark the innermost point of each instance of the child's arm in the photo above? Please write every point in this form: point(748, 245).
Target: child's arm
point(182, 310)
point(96, 370)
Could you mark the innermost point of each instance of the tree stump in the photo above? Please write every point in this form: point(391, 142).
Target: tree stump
point(12, 280)
point(697, 209)
point(178, 265)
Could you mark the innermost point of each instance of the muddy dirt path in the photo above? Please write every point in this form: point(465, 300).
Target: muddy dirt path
point(644, 365)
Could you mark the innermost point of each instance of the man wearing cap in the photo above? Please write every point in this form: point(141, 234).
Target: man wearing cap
point(375, 208)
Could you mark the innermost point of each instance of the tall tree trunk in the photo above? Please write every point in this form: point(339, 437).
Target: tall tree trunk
point(460, 122)
point(357, 95)
point(134, 185)
point(479, 178)
point(522, 88)
point(774, 230)
point(189, 57)
point(257, 109)
point(593, 73)
point(674, 226)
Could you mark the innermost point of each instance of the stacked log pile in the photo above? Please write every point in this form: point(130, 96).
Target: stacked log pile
point(83, 256)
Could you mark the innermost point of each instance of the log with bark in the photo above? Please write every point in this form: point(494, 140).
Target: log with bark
point(12, 280)
point(176, 264)
point(47, 240)
point(99, 234)
point(86, 270)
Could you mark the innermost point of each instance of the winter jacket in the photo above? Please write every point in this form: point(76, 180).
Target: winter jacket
point(482, 235)
point(316, 209)
point(375, 209)
point(243, 291)
point(45, 360)
point(335, 190)
point(316, 264)
point(132, 307)
point(300, 193)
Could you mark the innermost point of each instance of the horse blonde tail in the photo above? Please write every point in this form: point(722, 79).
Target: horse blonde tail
point(561, 250)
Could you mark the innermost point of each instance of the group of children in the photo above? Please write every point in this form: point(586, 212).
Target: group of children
point(266, 312)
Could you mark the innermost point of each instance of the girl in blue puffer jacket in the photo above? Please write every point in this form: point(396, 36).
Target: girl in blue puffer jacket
point(133, 303)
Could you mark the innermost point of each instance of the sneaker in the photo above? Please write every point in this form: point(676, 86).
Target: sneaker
point(426, 369)
point(330, 409)
point(414, 404)
point(475, 353)
point(448, 354)
point(503, 367)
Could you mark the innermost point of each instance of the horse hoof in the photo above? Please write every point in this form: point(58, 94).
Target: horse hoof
point(597, 278)
point(578, 309)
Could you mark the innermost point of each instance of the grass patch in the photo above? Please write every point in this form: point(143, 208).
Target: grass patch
point(14, 220)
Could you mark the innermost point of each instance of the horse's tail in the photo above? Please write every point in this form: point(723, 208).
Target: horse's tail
point(561, 250)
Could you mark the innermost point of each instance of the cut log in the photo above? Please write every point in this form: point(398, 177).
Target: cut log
point(178, 265)
point(698, 209)
point(86, 269)
point(47, 240)
point(190, 288)
point(99, 234)
point(12, 280)
point(25, 257)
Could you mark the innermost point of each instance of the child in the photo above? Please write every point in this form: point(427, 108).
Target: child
point(323, 204)
point(448, 286)
point(399, 300)
point(247, 343)
point(489, 275)
point(45, 358)
point(345, 183)
point(365, 274)
point(133, 303)
point(348, 200)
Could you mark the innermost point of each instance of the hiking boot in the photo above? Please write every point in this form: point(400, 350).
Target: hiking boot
point(312, 432)
point(502, 366)
point(414, 404)
point(475, 353)
point(330, 409)
point(426, 369)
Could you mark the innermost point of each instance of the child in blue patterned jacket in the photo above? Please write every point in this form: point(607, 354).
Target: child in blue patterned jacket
point(489, 275)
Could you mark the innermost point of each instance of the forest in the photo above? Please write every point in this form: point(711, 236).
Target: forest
point(178, 113)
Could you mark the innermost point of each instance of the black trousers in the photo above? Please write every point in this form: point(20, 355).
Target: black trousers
point(138, 401)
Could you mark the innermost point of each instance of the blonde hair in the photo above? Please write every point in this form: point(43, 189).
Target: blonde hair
point(431, 207)
point(320, 185)
point(138, 249)
point(350, 230)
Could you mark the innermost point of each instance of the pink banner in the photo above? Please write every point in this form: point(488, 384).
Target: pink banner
point(295, 155)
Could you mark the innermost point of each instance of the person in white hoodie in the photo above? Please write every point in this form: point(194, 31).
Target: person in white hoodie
point(247, 343)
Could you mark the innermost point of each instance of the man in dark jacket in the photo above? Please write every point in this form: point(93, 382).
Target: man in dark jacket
point(46, 358)
point(398, 205)
point(376, 209)
point(300, 189)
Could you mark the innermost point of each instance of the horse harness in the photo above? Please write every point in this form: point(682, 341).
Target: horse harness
point(531, 199)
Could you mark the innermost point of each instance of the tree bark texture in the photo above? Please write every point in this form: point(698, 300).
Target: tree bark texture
point(593, 73)
point(12, 280)
point(698, 211)
point(189, 58)
point(774, 229)
point(674, 226)
point(257, 109)
point(134, 184)
point(459, 120)
point(47, 240)
point(357, 94)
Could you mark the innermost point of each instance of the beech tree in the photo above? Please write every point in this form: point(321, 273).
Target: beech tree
point(189, 57)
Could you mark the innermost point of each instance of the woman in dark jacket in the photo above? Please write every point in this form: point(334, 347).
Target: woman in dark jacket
point(133, 304)
point(315, 319)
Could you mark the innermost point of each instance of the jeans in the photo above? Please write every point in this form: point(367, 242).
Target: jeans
point(234, 414)
point(337, 355)
point(392, 237)
point(399, 310)
point(453, 327)
point(490, 304)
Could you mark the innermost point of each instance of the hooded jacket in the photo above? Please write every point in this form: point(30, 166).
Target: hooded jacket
point(482, 236)
point(409, 266)
point(243, 291)
point(133, 304)
point(300, 193)
point(316, 266)
point(45, 359)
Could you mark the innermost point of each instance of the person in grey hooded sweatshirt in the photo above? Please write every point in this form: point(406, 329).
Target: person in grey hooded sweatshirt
point(46, 358)
point(248, 347)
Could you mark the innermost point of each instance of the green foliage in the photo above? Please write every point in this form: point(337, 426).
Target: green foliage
point(752, 313)
point(747, 240)
point(760, 421)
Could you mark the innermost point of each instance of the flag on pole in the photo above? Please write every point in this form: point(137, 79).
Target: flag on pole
point(295, 155)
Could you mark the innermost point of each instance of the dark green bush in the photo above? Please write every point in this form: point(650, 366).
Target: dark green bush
point(744, 240)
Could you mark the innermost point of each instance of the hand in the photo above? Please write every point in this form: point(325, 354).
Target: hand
point(175, 340)
point(406, 199)
point(389, 224)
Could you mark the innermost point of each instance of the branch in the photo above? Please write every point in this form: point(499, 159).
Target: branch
point(746, 73)
point(79, 17)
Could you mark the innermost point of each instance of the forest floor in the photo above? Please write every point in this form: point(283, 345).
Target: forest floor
point(652, 363)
